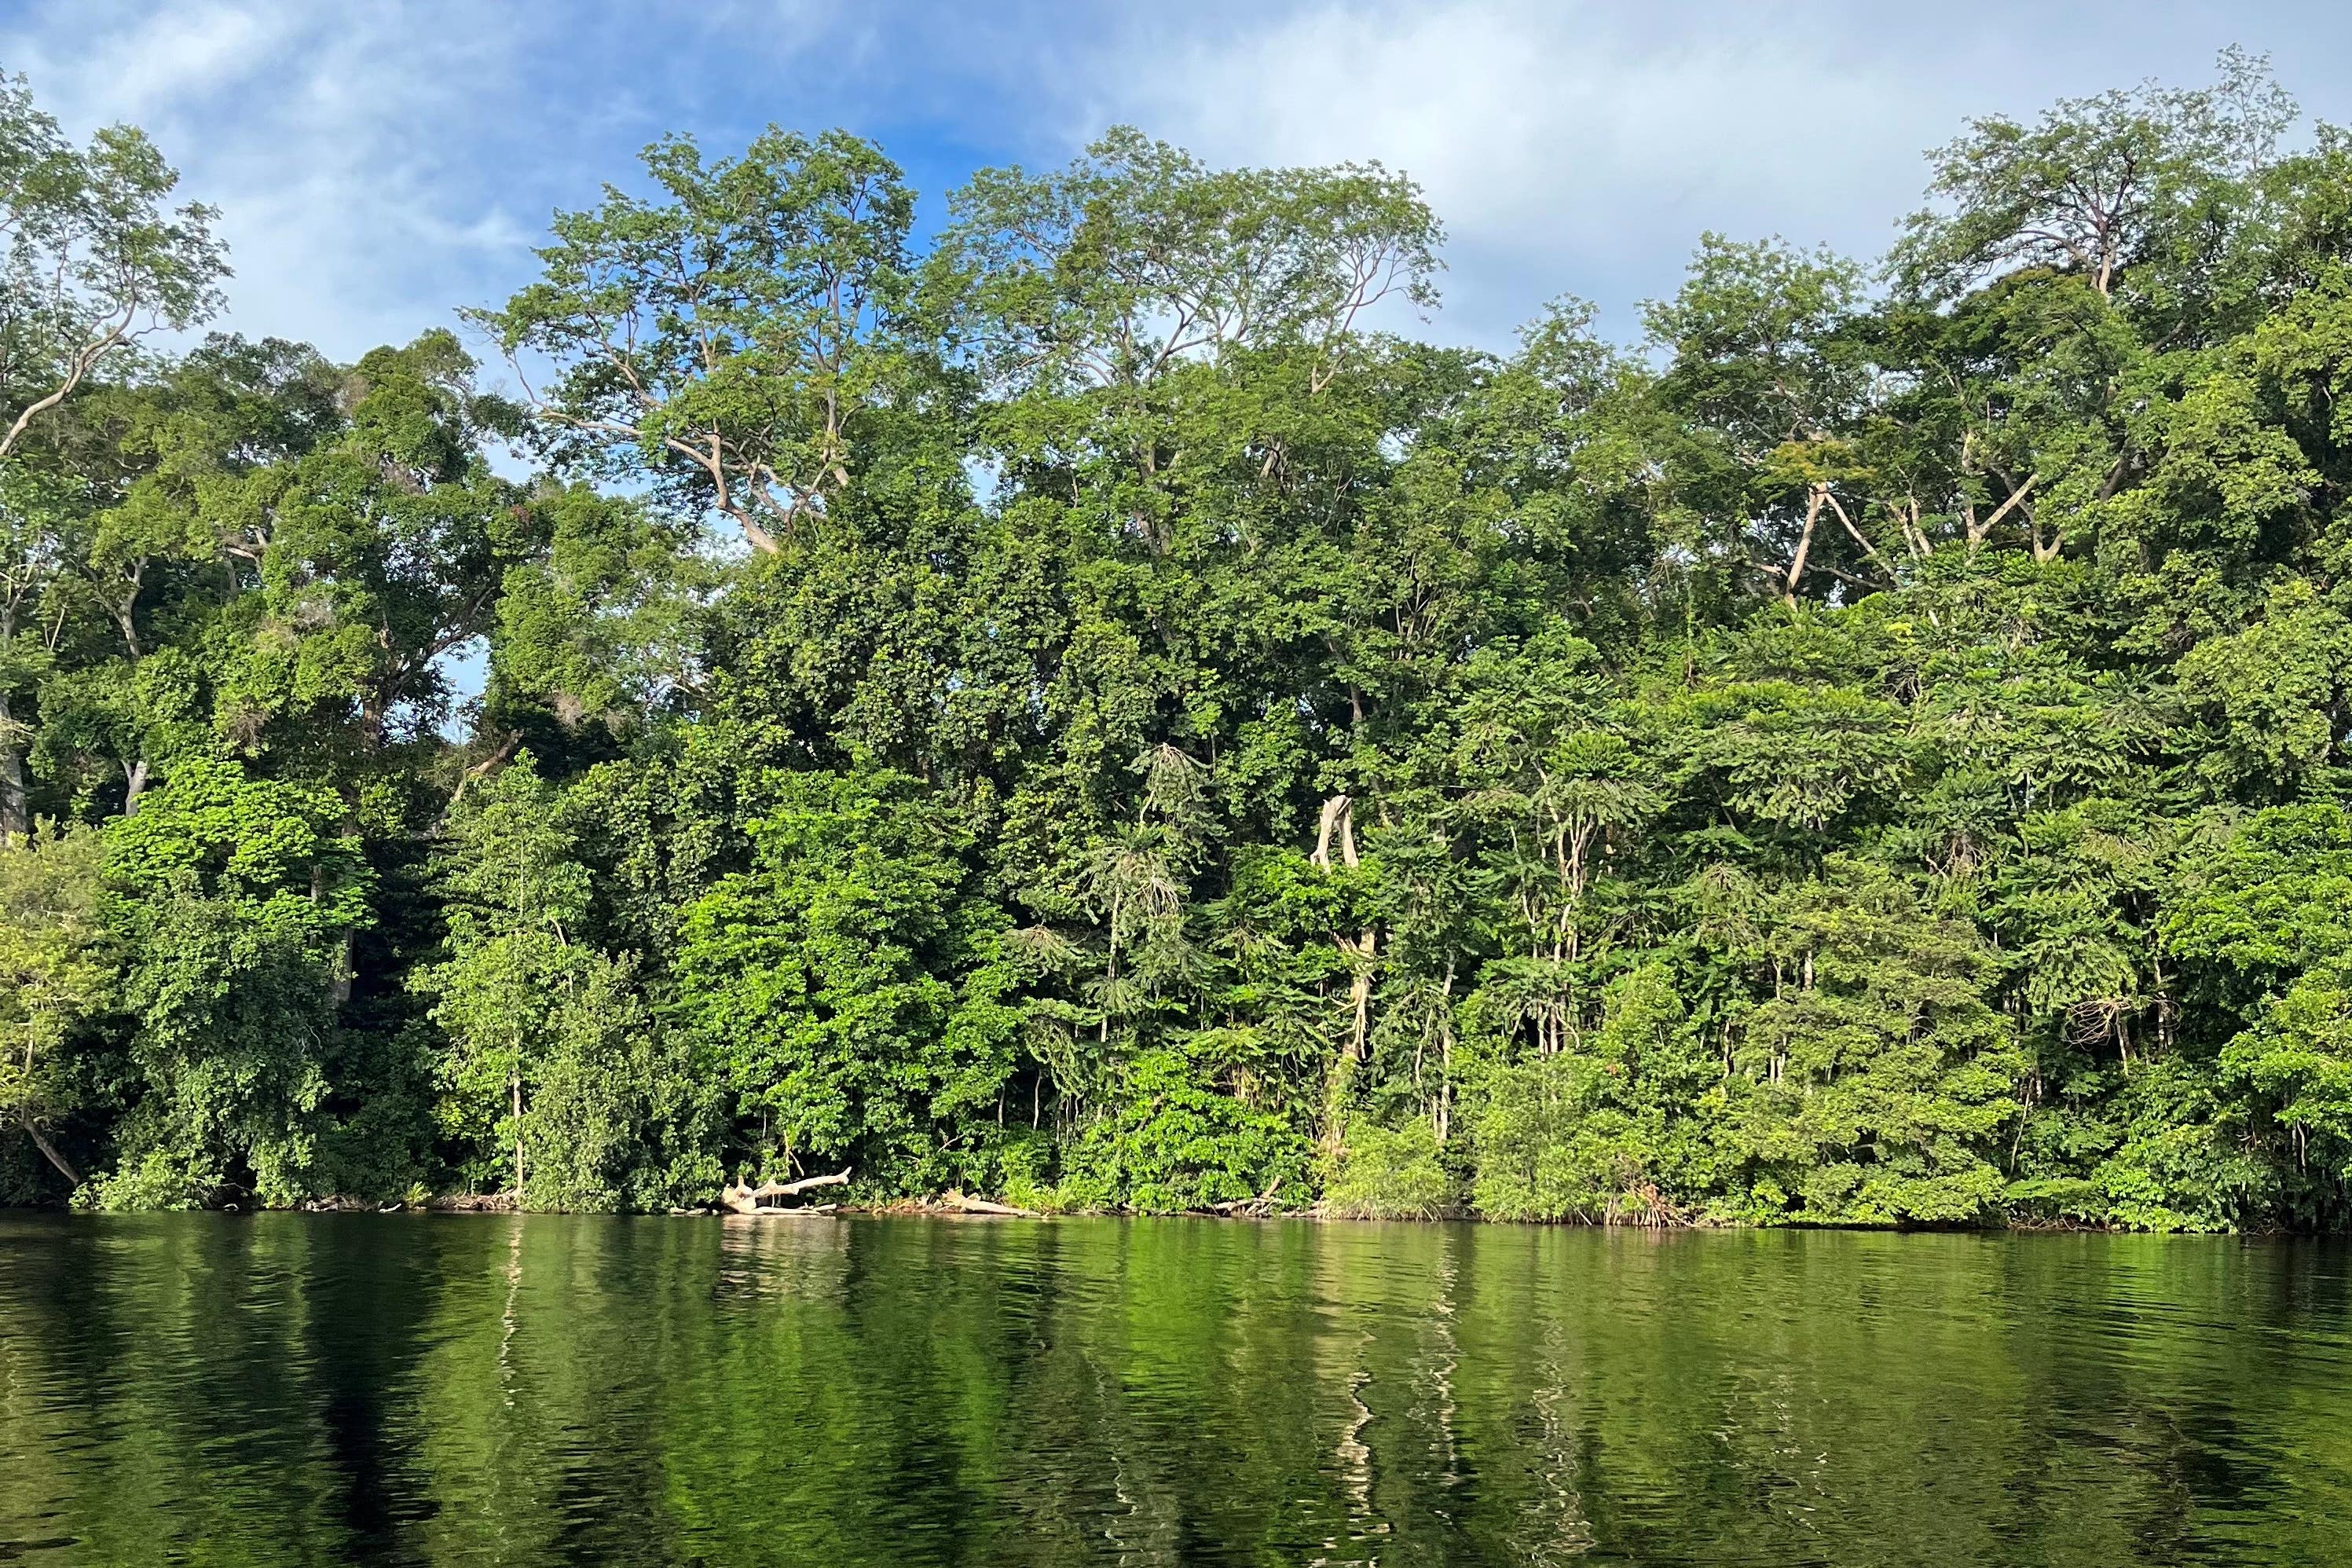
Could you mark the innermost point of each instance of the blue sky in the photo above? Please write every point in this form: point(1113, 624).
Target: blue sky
point(380, 165)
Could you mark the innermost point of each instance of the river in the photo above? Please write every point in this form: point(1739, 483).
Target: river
point(838, 1393)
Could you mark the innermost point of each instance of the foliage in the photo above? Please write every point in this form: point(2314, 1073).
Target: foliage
point(1387, 1172)
point(722, 343)
point(236, 899)
point(55, 978)
point(1862, 755)
point(95, 258)
point(845, 990)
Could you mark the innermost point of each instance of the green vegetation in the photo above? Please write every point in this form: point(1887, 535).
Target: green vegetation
point(1085, 709)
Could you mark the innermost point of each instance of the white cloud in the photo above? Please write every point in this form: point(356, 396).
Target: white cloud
point(1583, 147)
point(338, 142)
point(198, 51)
point(383, 161)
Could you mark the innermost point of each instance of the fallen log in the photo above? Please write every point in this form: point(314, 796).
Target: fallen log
point(982, 1206)
point(744, 1199)
point(1260, 1204)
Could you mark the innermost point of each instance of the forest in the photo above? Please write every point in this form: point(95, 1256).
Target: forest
point(1078, 697)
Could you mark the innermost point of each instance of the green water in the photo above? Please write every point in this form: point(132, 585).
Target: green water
point(482, 1389)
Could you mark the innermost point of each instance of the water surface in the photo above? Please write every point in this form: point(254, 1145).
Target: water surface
point(326, 1389)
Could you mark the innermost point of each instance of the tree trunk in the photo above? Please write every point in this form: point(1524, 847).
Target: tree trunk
point(1443, 1120)
point(133, 787)
point(1335, 810)
point(514, 1084)
point(744, 1199)
point(1339, 823)
point(1336, 1080)
point(1977, 532)
point(1805, 547)
point(956, 1200)
point(15, 815)
point(48, 1148)
point(1360, 992)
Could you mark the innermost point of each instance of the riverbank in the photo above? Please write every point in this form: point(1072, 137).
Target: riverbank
point(957, 1206)
point(811, 1197)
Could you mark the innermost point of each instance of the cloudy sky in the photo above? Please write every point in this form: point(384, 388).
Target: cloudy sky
point(380, 164)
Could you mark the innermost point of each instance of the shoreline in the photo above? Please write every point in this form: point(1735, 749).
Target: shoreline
point(970, 1209)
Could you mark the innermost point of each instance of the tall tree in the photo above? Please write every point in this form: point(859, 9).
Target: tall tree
point(723, 342)
point(96, 257)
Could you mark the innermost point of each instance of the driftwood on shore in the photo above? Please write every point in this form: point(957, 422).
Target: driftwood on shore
point(1259, 1205)
point(742, 1199)
point(982, 1206)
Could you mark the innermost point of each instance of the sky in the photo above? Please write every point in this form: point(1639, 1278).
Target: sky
point(379, 165)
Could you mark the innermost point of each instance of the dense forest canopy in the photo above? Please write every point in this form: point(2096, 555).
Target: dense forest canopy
point(1083, 709)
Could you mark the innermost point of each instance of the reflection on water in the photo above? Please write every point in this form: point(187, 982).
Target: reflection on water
point(486, 1389)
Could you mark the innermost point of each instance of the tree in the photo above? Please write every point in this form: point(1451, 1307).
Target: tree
point(2094, 185)
point(367, 559)
point(1877, 1076)
point(556, 1071)
point(1137, 260)
point(1765, 360)
point(2265, 907)
point(236, 899)
point(37, 518)
point(55, 975)
point(724, 345)
point(847, 984)
point(517, 900)
point(96, 259)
